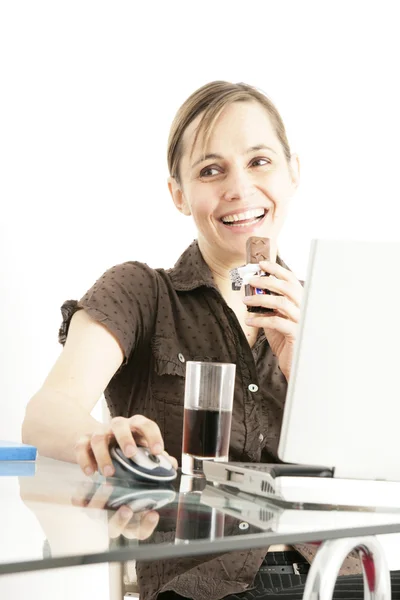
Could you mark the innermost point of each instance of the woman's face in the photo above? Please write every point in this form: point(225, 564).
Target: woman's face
point(240, 187)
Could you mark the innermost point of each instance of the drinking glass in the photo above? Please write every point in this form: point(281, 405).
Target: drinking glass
point(209, 389)
point(195, 520)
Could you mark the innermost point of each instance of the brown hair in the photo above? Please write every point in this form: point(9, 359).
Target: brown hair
point(210, 100)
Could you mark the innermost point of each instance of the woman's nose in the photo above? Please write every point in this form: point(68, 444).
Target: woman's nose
point(237, 186)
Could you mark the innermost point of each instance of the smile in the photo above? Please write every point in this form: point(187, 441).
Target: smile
point(245, 219)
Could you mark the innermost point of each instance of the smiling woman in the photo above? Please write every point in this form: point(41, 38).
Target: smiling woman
point(131, 334)
point(231, 168)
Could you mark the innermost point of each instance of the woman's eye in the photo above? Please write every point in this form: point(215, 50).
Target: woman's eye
point(260, 162)
point(209, 172)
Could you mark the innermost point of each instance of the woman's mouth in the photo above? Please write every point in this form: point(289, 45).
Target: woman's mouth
point(243, 221)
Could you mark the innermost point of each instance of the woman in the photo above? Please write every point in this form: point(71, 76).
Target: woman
point(231, 169)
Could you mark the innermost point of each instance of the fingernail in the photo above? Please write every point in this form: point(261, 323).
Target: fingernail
point(130, 450)
point(108, 471)
point(157, 449)
point(89, 471)
point(152, 517)
point(126, 512)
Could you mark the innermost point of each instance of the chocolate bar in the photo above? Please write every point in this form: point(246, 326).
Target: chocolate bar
point(257, 249)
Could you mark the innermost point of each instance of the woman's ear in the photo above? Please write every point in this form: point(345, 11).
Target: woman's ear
point(178, 196)
point(295, 170)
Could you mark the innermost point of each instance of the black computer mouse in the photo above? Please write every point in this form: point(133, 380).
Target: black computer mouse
point(144, 466)
point(142, 497)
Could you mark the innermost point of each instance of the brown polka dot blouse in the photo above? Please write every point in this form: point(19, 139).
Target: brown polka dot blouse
point(161, 319)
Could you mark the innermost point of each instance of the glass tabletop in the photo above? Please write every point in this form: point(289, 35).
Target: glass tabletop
point(52, 515)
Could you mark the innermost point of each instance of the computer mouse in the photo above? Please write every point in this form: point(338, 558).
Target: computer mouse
point(144, 466)
point(141, 498)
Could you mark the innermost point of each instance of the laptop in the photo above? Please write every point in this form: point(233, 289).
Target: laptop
point(341, 423)
point(269, 515)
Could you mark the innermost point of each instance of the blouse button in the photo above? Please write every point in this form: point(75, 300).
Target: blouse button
point(253, 387)
point(181, 357)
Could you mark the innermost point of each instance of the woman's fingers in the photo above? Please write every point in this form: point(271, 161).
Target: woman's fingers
point(133, 526)
point(281, 281)
point(172, 459)
point(149, 430)
point(284, 326)
point(278, 271)
point(92, 451)
point(285, 307)
point(119, 521)
point(91, 495)
point(100, 497)
point(100, 447)
point(84, 455)
point(144, 528)
point(92, 454)
point(121, 429)
point(146, 432)
point(278, 286)
point(83, 493)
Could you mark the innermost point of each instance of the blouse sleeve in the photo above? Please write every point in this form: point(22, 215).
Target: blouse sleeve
point(124, 300)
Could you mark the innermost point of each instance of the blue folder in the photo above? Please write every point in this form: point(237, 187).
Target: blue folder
point(17, 468)
point(16, 451)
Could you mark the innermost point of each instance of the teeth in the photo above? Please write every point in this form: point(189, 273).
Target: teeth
point(245, 216)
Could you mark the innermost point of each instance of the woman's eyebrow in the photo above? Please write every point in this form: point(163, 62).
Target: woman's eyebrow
point(220, 157)
point(206, 157)
point(260, 147)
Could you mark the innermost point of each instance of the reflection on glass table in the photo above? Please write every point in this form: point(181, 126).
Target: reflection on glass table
point(82, 521)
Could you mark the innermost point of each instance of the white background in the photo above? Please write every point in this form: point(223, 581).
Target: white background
point(88, 92)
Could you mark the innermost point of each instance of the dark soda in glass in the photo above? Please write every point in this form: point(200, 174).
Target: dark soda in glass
point(206, 433)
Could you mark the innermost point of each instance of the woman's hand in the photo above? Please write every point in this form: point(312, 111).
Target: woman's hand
point(132, 525)
point(92, 451)
point(280, 326)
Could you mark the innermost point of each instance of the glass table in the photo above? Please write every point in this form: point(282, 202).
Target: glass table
point(53, 516)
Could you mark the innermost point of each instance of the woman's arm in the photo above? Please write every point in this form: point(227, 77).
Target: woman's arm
point(58, 415)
